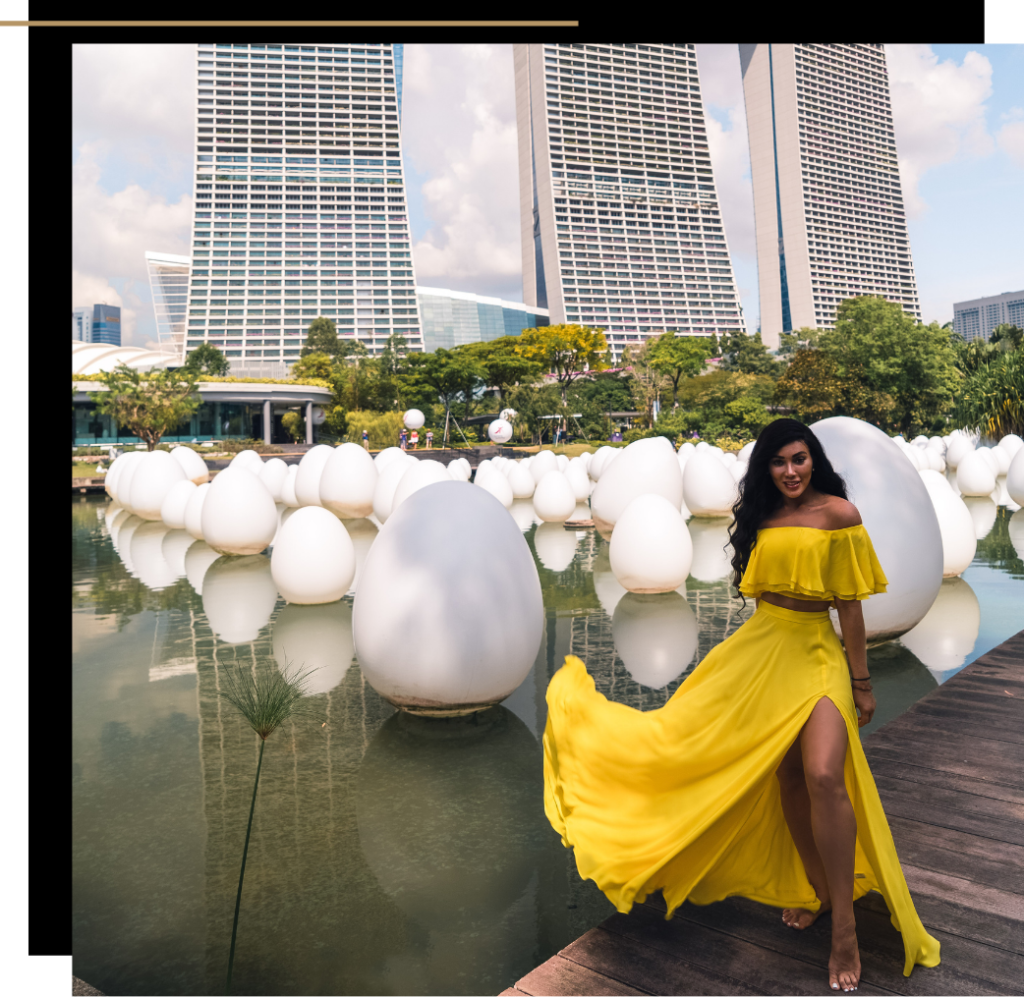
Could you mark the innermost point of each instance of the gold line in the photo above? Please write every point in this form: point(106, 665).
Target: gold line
point(289, 24)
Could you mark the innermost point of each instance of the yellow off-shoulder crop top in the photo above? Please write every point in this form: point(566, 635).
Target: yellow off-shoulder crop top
point(816, 564)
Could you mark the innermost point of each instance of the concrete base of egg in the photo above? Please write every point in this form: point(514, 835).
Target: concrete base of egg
point(448, 615)
point(314, 560)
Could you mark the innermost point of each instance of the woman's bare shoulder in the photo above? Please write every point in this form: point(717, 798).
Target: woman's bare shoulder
point(841, 513)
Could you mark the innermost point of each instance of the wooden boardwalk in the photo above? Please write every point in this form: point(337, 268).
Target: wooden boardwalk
point(950, 772)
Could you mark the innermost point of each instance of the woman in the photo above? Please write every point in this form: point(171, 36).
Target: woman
point(751, 780)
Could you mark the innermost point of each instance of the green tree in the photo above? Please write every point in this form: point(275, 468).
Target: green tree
point(207, 359)
point(568, 351)
point(1007, 337)
point(317, 366)
point(504, 366)
point(322, 337)
point(799, 339)
point(534, 406)
point(991, 399)
point(295, 426)
point(680, 356)
point(447, 374)
point(647, 382)
point(148, 405)
point(747, 354)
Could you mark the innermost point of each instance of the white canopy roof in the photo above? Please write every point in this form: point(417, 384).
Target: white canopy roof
point(91, 358)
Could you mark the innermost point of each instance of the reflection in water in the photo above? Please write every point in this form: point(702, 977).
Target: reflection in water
point(198, 559)
point(174, 548)
point(655, 635)
point(983, 511)
point(947, 634)
point(315, 637)
point(606, 585)
point(148, 558)
point(522, 512)
point(363, 532)
point(124, 541)
point(1015, 529)
point(898, 678)
point(238, 597)
point(710, 554)
point(555, 546)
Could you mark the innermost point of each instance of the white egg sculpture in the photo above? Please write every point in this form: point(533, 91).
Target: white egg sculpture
point(1002, 458)
point(737, 469)
point(711, 549)
point(413, 419)
point(748, 449)
point(958, 448)
point(1015, 477)
point(307, 478)
point(541, 463)
point(421, 474)
point(313, 560)
point(386, 457)
point(555, 546)
point(521, 482)
point(172, 511)
point(192, 464)
point(457, 472)
point(124, 542)
point(983, 510)
point(155, 475)
point(348, 481)
point(198, 559)
point(288, 496)
point(497, 484)
point(644, 467)
point(709, 490)
point(897, 515)
point(148, 558)
point(174, 547)
point(194, 511)
point(238, 515)
point(655, 636)
point(579, 480)
point(317, 639)
point(273, 474)
point(113, 473)
point(1016, 532)
point(975, 475)
point(249, 459)
point(1011, 442)
point(651, 550)
point(499, 431)
point(238, 596)
point(448, 616)
point(121, 486)
point(598, 461)
point(523, 514)
point(387, 482)
point(703, 445)
point(363, 533)
point(956, 526)
point(949, 630)
point(561, 462)
point(553, 498)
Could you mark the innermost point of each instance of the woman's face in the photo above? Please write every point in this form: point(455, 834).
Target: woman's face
point(791, 469)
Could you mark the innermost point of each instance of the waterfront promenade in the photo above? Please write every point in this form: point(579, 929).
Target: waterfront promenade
point(950, 772)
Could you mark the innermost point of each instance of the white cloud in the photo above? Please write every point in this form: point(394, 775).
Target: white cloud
point(938, 112)
point(1011, 136)
point(459, 128)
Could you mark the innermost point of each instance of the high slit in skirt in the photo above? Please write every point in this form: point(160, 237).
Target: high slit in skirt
point(684, 799)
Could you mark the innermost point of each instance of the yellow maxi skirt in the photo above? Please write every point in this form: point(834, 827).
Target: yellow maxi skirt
point(684, 799)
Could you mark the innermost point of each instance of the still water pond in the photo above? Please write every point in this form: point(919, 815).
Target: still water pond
point(389, 854)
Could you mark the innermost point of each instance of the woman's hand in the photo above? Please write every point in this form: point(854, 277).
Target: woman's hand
point(864, 700)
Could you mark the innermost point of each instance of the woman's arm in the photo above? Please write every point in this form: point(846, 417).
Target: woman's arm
point(851, 623)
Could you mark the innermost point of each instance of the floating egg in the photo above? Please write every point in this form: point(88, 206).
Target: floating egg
point(272, 475)
point(956, 526)
point(579, 480)
point(709, 490)
point(598, 461)
point(313, 560)
point(1015, 477)
point(174, 547)
point(172, 512)
point(413, 419)
point(711, 549)
point(192, 464)
point(553, 498)
point(651, 550)
point(363, 532)
point(194, 512)
point(238, 514)
point(648, 466)
point(898, 516)
point(521, 482)
point(975, 475)
point(288, 495)
point(561, 462)
point(555, 546)
point(317, 639)
point(421, 474)
point(113, 473)
point(238, 595)
point(497, 484)
point(348, 481)
point(655, 636)
point(747, 451)
point(198, 559)
point(123, 492)
point(448, 616)
point(1012, 443)
point(147, 556)
point(387, 482)
point(249, 459)
point(983, 512)
point(499, 431)
point(1016, 532)
point(307, 479)
point(156, 473)
point(958, 448)
point(386, 457)
point(543, 462)
point(948, 631)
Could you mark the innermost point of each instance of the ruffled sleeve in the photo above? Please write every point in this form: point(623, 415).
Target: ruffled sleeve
point(817, 564)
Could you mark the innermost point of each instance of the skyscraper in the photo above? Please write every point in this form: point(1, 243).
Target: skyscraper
point(168, 284)
point(81, 324)
point(828, 207)
point(621, 227)
point(976, 319)
point(300, 203)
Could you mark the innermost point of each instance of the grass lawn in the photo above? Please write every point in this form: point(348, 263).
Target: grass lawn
point(84, 471)
point(570, 449)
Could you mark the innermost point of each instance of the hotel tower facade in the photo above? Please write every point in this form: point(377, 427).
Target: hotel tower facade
point(621, 226)
point(300, 206)
point(828, 207)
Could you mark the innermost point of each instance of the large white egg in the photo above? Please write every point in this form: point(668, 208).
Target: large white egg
point(521, 482)
point(307, 479)
point(561, 462)
point(348, 481)
point(1015, 477)
point(238, 515)
point(1012, 443)
point(555, 546)
point(192, 464)
point(497, 484)
point(599, 460)
point(363, 533)
point(113, 473)
point(153, 479)
point(317, 639)
point(273, 474)
point(542, 462)
point(709, 490)
point(1001, 456)
point(655, 636)
point(500, 431)
point(711, 549)
point(553, 498)
point(748, 449)
point(249, 459)
point(288, 496)
point(122, 487)
point(958, 448)
point(124, 542)
point(198, 559)
point(194, 511)
point(112, 511)
point(975, 475)
point(413, 419)
point(387, 482)
point(651, 550)
point(579, 480)
point(421, 474)
point(148, 558)
point(175, 546)
point(456, 471)
point(949, 630)
point(956, 526)
point(983, 510)
point(897, 515)
point(737, 469)
point(645, 467)
point(386, 456)
point(448, 616)
point(172, 511)
point(313, 560)
point(238, 595)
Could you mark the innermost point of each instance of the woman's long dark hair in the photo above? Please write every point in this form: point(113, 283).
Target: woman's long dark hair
point(759, 497)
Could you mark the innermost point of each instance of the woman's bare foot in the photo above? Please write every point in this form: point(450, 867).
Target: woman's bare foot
point(801, 917)
point(844, 960)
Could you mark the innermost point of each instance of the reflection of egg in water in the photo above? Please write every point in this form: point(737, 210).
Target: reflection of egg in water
point(655, 636)
point(555, 546)
point(238, 597)
point(606, 586)
point(147, 556)
point(174, 547)
point(983, 514)
point(1016, 532)
point(949, 630)
point(317, 639)
point(711, 549)
point(198, 559)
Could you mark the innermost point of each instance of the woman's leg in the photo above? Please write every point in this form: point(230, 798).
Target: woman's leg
point(823, 744)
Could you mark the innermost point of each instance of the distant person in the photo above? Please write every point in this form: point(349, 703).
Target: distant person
point(430, 439)
point(402, 439)
point(414, 439)
point(366, 439)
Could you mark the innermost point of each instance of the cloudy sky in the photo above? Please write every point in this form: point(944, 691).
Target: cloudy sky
point(959, 117)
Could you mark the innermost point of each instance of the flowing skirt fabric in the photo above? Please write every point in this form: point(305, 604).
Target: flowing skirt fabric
point(684, 799)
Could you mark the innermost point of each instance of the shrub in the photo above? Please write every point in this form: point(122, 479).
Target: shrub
point(383, 428)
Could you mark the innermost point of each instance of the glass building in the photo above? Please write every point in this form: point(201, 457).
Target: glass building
point(976, 319)
point(168, 283)
point(452, 318)
point(828, 207)
point(106, 325)
point(621, 227)
point(81, 324)
point(300, 205)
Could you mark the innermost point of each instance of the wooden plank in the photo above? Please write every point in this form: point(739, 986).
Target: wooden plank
point(972, 748)
point(946, 757)
point(563, 976)
point(895, 786)
point(936, 713)
point(897, 767)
